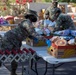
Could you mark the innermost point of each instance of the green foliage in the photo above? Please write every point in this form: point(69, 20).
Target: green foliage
point(74, 1)
point(64, 1)
point(73, 4)
point(46, 0)
point(68, 1)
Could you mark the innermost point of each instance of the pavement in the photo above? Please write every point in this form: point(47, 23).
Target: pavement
point(4, 71)
point(65, 69)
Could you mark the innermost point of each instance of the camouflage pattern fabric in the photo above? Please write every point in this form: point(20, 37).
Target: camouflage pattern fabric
point(49, 9)
point(55, 12)
point(13, 38)
point(64, 21)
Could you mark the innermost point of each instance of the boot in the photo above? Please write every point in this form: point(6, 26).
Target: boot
point(14, 65)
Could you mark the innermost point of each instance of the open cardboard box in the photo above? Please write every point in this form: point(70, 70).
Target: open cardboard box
point(62, 51)
point(40, 43)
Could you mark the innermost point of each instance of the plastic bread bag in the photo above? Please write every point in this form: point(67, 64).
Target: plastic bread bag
point(63, 32)
point(46, 31)
point(73, 33)
point(71, 42)
point(66, 37)
point(38, 30)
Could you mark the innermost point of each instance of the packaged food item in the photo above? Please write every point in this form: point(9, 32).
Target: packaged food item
point(66, 37)
point(63, 32)
point(75, 40)
point(38, 30)
point(73, 32)
point(71, 42)
point(61, 42)
point(54, 38)
point(46, 32)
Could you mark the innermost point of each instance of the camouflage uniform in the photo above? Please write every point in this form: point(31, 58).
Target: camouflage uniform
point(13, 38)
point(64, 21)
point(49, 9)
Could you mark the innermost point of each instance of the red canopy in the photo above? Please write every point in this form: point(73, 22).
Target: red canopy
point(23, 1)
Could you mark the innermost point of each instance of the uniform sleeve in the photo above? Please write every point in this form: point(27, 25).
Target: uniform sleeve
point(58, 25)
point(63, 22)
point(26, 24)
point(46, 12)
point(71, 23)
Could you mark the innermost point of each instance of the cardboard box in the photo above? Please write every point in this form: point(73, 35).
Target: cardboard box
point(62, 51)
point(40, 43)
point(32, 43)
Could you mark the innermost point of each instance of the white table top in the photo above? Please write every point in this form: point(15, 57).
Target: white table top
point(42, 52)
point(2, 32)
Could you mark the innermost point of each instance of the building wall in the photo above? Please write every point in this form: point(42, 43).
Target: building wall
point(38, 6)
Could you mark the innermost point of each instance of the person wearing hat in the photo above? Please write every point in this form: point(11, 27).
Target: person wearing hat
point(13, 38)
point(63, 21)
point(48, 11)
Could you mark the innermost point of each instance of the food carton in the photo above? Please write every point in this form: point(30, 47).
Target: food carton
point(39, 43)
point(62, 51)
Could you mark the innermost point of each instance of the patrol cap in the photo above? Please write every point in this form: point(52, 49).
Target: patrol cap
point(31, 12)
point(31, 15)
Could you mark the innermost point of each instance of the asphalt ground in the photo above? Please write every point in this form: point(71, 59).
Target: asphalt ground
point(65, 69)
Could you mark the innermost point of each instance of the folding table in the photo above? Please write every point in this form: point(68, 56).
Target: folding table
point(42, 53)
point(4, 26)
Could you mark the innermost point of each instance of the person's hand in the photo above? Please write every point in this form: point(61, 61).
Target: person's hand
point(35, 40)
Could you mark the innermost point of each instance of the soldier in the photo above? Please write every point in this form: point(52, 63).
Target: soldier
point(63, 21)
point(49, 9)
point(13, 38)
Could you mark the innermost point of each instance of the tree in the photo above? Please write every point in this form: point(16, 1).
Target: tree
point(68, 1)
point(46, 0)
point(64, 1)
point(74, 1)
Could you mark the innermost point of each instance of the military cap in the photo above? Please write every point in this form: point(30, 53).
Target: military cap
point(31, 15)
point(31, 12)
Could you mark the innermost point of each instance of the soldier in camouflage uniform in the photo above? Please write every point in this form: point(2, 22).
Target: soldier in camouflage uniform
point(49, 9)
point(63, 21)
point(13, 38)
